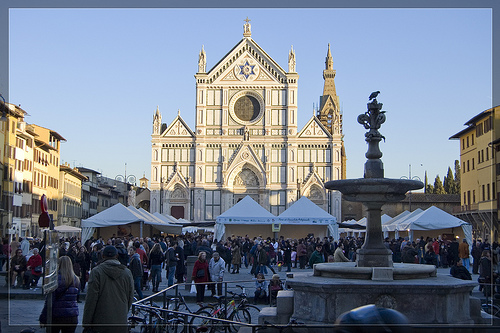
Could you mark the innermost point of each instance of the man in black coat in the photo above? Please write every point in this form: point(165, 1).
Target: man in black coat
point(460, 272)
point(453, 252)
point(476, 256)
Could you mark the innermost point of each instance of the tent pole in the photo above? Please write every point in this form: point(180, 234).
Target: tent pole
point(141, 225)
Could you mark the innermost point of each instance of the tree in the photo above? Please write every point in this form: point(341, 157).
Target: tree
point(456, 187)
point(449, 182)
point(438, 186)
point(429, 189)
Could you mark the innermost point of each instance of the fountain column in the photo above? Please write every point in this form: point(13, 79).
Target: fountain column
point(373, 190)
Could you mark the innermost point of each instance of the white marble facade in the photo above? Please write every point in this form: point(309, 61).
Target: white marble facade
point(245, 142)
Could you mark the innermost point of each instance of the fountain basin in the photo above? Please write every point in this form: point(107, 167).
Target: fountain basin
point(349, 270)
point(374, 189)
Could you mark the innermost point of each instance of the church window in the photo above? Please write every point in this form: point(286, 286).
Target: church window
point(213, 117)
point(201, 117)
point(328, 172)
point(291, 175)
point(200, 174)
point(247, 108)
point(277, 200)
point(307, 155)
point(155, 174)
point(328, 157)
point(292, 116)
point(321, 156)
point(314, 155)
point(337, 155)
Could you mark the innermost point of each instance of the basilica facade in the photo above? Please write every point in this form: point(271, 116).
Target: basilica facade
point(246, 140)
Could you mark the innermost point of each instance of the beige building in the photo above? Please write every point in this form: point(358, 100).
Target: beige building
point(479, 144)
point(70, 196)
point(46, 157)
point(246, 140)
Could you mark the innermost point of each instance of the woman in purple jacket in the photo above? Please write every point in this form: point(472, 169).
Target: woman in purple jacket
point(64, 304)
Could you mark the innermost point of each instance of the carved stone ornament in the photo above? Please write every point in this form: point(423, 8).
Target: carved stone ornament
point(246, 70)
point(246, 178)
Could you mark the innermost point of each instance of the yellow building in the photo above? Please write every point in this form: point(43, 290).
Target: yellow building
point(46, 170)
point(70, 196)
point(16, 153)
point(480, 173)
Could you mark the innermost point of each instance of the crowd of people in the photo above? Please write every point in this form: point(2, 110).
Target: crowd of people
point(146, 258)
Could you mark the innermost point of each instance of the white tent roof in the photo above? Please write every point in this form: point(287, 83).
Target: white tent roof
point(120, 215)
point(431, 219)
point(246, 211)
point(304, 211)
point(67, 229)
point(392, 225)
point(167, 218)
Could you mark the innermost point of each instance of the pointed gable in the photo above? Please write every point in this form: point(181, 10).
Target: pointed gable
point(245, 155)
point(246, 62)
point(314, 129)
point(178, 128)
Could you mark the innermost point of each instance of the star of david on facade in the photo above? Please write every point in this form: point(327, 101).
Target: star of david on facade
point(246, 70)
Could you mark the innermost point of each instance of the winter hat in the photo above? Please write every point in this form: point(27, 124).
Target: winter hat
point(109, 251)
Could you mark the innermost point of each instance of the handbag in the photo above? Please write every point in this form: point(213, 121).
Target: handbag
point(200, 273)
point(38, 269)
point(193, 288)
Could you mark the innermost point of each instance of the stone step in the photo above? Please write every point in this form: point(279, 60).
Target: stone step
point(284, 302)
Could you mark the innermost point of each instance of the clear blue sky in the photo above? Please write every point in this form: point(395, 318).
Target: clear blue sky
point(96, 75)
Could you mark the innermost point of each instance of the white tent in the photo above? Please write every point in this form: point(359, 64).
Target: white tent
point(392, 225)
point(168, 218)
point(245, 212)
point(67, 229)
point(119, 215)
point(306, 212)
point(434, 218)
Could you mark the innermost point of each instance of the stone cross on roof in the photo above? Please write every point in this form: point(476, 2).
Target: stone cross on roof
point(246, 28)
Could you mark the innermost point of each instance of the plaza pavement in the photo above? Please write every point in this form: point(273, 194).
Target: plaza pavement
point(20, 308)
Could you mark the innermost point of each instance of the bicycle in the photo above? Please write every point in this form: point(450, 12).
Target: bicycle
point(241, 311)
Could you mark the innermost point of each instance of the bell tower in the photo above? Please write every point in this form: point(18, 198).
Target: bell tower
point(329, 113)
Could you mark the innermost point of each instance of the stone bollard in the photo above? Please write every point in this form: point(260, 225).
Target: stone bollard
point(189, 270)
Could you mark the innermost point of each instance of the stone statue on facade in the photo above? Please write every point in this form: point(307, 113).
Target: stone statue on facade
point(202, 61)
point(291, 61)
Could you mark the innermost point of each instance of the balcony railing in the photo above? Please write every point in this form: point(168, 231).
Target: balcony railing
point(466, 208)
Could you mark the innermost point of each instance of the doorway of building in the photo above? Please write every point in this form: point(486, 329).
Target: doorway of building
point(177, 212)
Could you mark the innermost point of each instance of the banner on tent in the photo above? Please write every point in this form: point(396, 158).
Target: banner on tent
point(248, 220)
point(305, 220)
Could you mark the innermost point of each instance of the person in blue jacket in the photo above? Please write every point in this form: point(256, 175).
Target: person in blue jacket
point(64, 300)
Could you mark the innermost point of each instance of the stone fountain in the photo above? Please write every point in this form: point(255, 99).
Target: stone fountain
point(412, 289)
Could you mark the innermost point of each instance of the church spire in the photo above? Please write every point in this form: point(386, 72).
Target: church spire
point(329, 59)
point(157, 121)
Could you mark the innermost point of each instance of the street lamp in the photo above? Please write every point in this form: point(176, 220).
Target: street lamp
point(410, 177)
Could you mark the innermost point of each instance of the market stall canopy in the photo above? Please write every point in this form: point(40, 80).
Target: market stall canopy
point(306, 212)
point(246, 211)
point(392, 225)
point(120, 215)
point(431, 219)
point(67, 229)
point(167, 218)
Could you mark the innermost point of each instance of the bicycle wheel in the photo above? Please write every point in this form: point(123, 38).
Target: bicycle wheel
point(491, 309)
point(254, 313)
point(241, 316)
point(200, 324)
